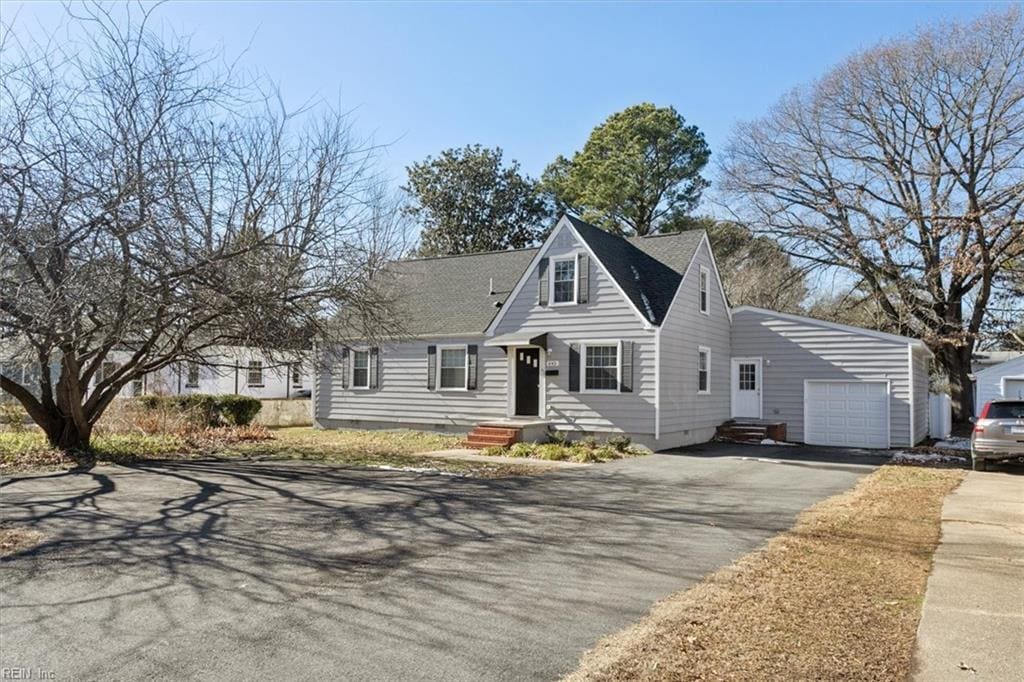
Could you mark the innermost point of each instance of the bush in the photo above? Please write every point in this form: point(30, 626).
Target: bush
point(206, 410)
point(13, 415)
point(558, 437)
point(238, 410)
point(619, 443)
point(589, 442)
point(522, 450)
point(552, 451)
point(495, 451)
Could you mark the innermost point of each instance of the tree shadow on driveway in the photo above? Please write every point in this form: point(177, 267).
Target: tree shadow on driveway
point(243, 568)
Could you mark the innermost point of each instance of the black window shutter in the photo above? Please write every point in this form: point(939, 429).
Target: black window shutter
point(375, 367)
point(583, 291)
point(626, 385)
point(574, 367)
point(431, 367)
point(344, 367)
point(471, 362)
point(542, 281)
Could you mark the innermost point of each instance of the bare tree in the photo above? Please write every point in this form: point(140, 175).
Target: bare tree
point(905, 166)
point(153, 203)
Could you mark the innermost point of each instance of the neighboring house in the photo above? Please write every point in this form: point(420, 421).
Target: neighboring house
point(1005, 380)
point(597, 334)
point(226, 370)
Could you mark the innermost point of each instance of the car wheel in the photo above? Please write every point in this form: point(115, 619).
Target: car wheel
point(978, 464)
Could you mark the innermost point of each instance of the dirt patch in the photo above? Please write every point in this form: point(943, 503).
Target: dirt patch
point(836, 597)
point(14, 539)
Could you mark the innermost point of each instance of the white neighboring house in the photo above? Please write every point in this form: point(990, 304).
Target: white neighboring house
point(228, 370)
point(1005, 380)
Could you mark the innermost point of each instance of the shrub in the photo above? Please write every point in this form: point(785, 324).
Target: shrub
point(589, 442)
point(238, 410)
point(619, 443)
point(13, 415)
point(522, 450)
point(558, 437)
point(495, 451)
point(206, 410)
point(552, 451)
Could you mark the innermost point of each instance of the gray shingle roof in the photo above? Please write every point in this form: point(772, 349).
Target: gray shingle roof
point(450, 295)
point(648, 269)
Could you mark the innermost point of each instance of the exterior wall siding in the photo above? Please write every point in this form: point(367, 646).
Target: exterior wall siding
point(988, 382)
point(607, 316)
point(403, 397)
point(687, 416)
point(794, 351)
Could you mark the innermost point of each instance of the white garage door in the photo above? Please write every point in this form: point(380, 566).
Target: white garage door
point(847, 413)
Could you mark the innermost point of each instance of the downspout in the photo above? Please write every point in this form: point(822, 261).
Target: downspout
point(910, 381)
point(236, 376)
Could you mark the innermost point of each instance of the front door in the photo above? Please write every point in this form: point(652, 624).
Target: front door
point(527, 381)
point(746, 387)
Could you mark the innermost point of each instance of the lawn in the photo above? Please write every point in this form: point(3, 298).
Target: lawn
point(837, 597)
point(25, 451)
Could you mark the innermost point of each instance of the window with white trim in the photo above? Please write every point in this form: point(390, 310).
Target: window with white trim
point(601, 367)
point(361, 369)
point(705, 277)
point(452, 368)
point(192, 375)
point(254, 373)
point(296, 372)
point(563, 280)
point(703, 370)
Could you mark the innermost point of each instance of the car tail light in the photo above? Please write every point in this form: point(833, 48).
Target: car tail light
point(984, 410)
point(978, 428)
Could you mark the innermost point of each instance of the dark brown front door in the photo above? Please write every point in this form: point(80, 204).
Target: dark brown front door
point(527, 381)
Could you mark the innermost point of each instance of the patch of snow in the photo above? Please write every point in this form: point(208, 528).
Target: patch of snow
point(769, 441)
point(925, 458)
point(954, 444)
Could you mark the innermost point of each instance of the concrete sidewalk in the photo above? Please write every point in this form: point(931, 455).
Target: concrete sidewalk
point(972, 623)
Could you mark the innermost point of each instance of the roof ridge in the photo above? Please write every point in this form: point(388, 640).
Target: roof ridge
point(465, 255)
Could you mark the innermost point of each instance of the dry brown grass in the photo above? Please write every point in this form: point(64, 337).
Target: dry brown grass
point(13, 539)
point(837, 597)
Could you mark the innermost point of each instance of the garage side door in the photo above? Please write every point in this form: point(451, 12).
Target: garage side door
point(846, 413)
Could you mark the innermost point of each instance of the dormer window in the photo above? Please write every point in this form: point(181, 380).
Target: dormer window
point(563, 280)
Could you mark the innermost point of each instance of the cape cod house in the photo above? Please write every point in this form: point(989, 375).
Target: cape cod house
point(595, 334)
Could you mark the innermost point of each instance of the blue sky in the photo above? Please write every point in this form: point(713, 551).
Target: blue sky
point(532, 78)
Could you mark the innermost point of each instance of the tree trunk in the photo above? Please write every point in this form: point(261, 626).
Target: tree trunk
point(64, 434)
point(956, 361)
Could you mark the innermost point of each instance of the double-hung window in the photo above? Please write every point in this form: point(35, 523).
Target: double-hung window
point(254, 374)
point(705, 277)
point(601, 367)
point(452, 368)
point(361, 369)
point(563, 280)
point(703, 370)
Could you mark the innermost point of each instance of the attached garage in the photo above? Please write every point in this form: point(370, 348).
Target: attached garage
point(847, 413)
point(833, 384)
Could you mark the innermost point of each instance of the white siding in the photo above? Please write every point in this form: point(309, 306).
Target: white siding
point(687, 416)
point(606, 316)
point(989, 381)
point(795, 350)
point(403, 397)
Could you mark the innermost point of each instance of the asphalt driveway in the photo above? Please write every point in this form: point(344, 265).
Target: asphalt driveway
point(243, 570)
